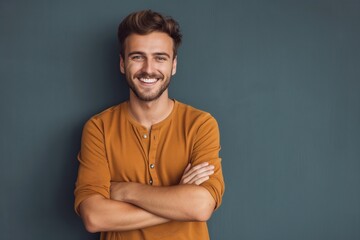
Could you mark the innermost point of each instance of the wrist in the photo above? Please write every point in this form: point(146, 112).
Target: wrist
point(129, 192)
point(119, 191)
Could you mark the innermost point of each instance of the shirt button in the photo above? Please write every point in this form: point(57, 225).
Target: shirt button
point(151, 181)
point(152, 165)
point(145, 136)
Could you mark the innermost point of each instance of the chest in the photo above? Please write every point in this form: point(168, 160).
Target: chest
point(156, 157)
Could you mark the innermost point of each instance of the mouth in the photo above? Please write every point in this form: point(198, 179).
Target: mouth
point(148, 80)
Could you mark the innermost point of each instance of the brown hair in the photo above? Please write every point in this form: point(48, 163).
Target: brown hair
point(145, 22)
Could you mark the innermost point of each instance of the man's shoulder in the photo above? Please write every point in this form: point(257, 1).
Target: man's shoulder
point(109, 113)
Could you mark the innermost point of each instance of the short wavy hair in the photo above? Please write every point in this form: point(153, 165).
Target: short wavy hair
point(145, 22)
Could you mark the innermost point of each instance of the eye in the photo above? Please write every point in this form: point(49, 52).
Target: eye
point(160, 58)
point(137, 57)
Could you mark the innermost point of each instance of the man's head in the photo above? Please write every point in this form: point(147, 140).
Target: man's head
point(148, 43)
point(145, 22)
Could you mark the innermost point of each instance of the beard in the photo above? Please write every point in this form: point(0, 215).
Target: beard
point(152, 95)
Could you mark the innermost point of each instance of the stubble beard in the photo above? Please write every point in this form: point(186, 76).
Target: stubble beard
point(143, 96)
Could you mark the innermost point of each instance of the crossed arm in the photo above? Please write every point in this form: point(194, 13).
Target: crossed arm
point(134, 205)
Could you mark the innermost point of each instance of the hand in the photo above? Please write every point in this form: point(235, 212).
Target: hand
point(197, 174)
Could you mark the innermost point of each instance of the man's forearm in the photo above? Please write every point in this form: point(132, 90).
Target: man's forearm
point(180, 202)
point(102, 215)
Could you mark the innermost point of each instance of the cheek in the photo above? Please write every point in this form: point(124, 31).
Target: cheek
point(167, 70)
point(132, 68)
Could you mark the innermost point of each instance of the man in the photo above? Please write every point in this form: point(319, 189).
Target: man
point(149, 167)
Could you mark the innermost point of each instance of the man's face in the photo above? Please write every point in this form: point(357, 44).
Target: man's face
point(148, 64)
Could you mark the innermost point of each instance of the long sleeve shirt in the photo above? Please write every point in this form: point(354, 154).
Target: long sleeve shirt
point(115, 147)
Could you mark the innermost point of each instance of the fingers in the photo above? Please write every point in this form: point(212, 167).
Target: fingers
point(197, 170)
point(201, 175)
point(197, 174)
point(201, 180)
point(187, 169)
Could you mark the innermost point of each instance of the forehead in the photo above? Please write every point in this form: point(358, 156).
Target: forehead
point(150, 43)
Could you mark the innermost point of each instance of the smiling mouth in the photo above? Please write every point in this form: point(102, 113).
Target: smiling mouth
point(148, 80)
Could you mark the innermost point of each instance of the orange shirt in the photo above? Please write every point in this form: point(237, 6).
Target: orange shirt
point(115, 147)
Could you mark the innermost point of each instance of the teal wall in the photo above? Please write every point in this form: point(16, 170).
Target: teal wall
point(281, 77)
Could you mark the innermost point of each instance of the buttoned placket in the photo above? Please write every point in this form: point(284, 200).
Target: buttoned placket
point(154, 180)
point(150, 144)
point(149, 141)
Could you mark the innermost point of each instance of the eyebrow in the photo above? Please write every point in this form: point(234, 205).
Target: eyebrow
point(162, 54)
point(142, 53)
point(136, 52)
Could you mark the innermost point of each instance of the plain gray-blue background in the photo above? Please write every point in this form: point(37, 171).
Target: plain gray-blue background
point(281, 77)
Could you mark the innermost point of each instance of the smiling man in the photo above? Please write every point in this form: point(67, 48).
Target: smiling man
point(149, 167)
point(150, 62)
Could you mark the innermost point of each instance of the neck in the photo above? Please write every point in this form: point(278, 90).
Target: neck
point(148, 113)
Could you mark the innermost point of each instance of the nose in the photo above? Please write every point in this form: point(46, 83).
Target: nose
point(148, 66)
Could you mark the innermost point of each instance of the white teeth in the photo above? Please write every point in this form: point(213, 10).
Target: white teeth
point(148, 80)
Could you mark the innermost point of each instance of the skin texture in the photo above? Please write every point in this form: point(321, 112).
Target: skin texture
point(148, 65)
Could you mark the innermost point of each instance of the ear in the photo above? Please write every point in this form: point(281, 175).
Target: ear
point(174, 64)
point(122, 65)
